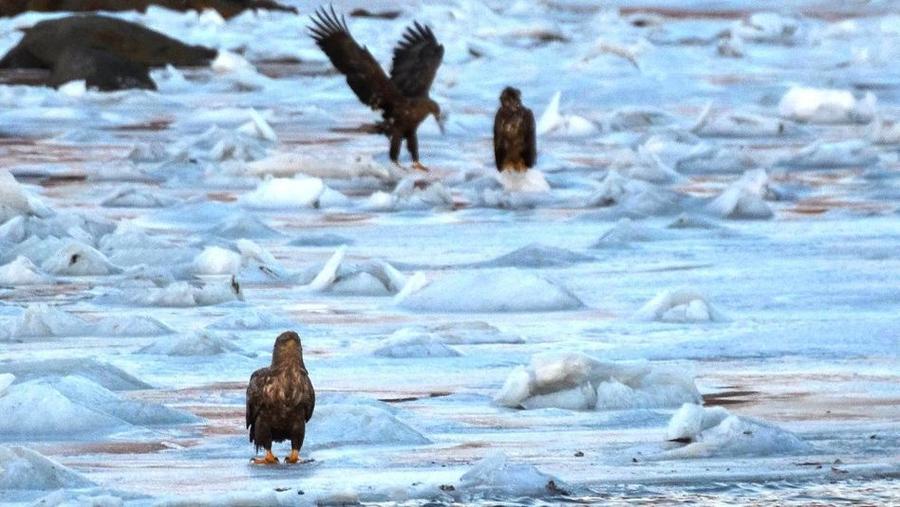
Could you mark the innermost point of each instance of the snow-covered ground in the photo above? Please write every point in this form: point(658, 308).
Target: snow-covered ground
point(722, 227)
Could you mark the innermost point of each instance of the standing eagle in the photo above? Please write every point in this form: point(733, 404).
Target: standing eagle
point(514, 140)
point(403, 97)
point(280, 400)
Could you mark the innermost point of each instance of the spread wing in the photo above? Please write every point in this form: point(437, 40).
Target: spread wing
point(530, 140)
point(365, 77)
point(416, 60)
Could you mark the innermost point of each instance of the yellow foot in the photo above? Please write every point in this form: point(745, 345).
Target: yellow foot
point(419, 167)
point(268, 459)
point(294, 458)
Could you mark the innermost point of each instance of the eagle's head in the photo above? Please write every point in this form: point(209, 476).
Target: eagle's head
point(287, 349)
point(511, 97)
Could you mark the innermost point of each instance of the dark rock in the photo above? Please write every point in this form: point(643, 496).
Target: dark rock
point(101, 70)
point(109, 53)
point(227, 8)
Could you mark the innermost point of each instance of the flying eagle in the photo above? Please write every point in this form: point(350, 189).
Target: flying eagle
point(403, 97)
point(280, 400)
point(514, 140)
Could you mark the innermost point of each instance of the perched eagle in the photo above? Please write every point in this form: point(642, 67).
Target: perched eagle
point(280, 400)
point(514, 141)
point(402, 98)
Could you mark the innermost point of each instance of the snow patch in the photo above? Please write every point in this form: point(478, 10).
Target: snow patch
point(819, 105)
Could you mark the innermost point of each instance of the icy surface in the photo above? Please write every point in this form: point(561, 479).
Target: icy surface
point(23, 468)
point(155, 244)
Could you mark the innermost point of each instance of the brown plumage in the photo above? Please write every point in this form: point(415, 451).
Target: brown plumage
point(280, 400)
point(403, 97)
point(515, 146)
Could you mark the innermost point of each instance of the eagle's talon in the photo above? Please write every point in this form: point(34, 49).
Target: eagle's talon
point(419, 167)
point(293, 459)
point(268, 459)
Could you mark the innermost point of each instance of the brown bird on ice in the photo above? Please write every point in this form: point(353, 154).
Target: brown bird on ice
point(515, 147)
point(403, 97)
point(280, 400)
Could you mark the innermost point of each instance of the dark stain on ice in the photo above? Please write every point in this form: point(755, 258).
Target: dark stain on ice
point(735, 397)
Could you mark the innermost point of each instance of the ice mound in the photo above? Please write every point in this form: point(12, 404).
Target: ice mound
point(819, 155)
point(488, 291)
point(630, 118)
point(22, 271)
point(136, 198)
point(369, 278)
point(252, 320)
point(680, 305)
point(745, 198)
point(884, 132)
point(497, 476)
point(104, 374)
point(258, 127)
point(220, 145)
point(44, 321)
point(292, 193)
point(576, 381)
point(77, 259)
point(627, 231)
point(768, 27)
point(179, 294)
point(321, 240)
point(337, 425)
point(411, 193)
point(6, 380)
point(15, 201)
point(472, 333)
point(553, 123)
point(714, 432)
point(24, 469)
point(243, 225)
point(535, 255)
point(817, 105)
point(74, 405)
point(742, 125)
point(632, 195)
point(195, 344)
point(341, 168)
point(409, 343)
point(530, 181)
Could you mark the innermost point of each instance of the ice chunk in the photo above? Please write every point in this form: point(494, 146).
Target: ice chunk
point(768, 27)
point(576, 381)
point(136, 198)
point(743, 125)
point(632, 195)
point(679, 305)
point(24, 469)
point(414, 343)
point(214, 260)
point(321, 240)
point(411, 193)
point(78, 259)
point(342, 168)
point(627, 231)
point(6, 380)
point(884, 132)
point(337, 425)
point(258, 127)
point(195, 344)
point(745, 198)
point(496, 476)
point(373, 278)
point(530, 181)
point(552, 122)
point(96, 397)
point(817, 105)
point(179, 294)
point(131, 325)
point(503, 290)
point(22, 271)
point(715, 432)
point(819, 155)
point(277, 193)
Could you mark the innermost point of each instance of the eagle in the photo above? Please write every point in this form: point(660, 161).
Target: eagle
point(514, 139)
point(403, 97)
point(280, 400)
